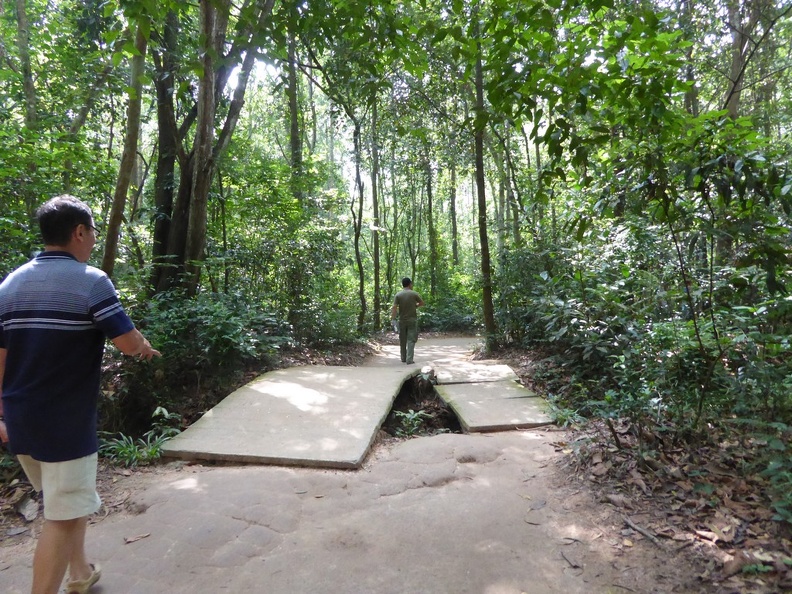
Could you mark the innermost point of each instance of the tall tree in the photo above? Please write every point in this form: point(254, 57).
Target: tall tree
point(129, 156)
point(480, 126)
point(187, 230)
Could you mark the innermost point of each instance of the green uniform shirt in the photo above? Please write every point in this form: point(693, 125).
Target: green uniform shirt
point(407, 300)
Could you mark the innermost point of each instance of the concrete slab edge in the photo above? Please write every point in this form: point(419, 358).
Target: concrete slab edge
point(191, 456)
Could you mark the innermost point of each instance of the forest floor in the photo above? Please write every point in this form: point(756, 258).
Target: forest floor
point(689, 520)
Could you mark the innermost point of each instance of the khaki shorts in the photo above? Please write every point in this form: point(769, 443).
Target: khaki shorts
point(69, 487)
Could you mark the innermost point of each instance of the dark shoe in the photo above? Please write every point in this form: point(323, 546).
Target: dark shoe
point(410, 362)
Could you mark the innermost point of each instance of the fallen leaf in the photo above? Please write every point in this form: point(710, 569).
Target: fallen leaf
point(16, 531)
point(736, 564)
point(617, 500)
point(706, 534)
point(724, 534)
point(763, 556)
point(131, 539)
point(28, 509)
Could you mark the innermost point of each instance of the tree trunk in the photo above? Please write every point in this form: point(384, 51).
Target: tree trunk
point(203, 163)
point(294, 273)
point(375, 206)
point(169, 144)
point(357, 218)
point(28, 84)
point(486, 266)
point(187, 233)
point(29, 90)
point(740, 37)
point(453, 209)
point(430, 226)
point(295, 143)
point(127, 167)
point(500, 215)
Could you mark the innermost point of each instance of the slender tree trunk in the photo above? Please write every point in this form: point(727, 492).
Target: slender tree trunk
point(452, 200)
point(28, 84)
point(294, 273)
point(392, 244)
point(691, 95)
point(29, 90)
point(740, 38)
point(486, 266)
point(500, 215)
point(128, 157)
point(357, 217)
point(294, 120)
point(169, 143)
point(375, 207)
point(430, 225)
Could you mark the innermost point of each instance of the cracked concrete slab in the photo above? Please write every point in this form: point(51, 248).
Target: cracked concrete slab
point(306, 416)
point(495, 406)
point(328, 417)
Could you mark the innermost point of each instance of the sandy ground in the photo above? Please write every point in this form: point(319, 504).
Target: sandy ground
point(490, 514)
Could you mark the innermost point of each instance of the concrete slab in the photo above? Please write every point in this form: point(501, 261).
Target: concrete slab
point(329, 416)
point(495, 406)
point(305, 416)
point(468, 372)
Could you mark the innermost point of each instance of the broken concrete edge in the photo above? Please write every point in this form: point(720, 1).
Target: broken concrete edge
point(502, 428)
point(191, 456)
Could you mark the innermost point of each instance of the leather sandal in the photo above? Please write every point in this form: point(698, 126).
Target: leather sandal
point(82, 586)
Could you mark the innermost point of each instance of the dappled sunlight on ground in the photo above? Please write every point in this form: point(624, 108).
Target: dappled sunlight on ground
point(301, 397)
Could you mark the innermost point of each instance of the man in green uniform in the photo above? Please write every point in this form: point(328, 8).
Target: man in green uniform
point(407, 303)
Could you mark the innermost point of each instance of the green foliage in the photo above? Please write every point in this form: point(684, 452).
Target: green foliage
point(212, 331)
point(561, 415)
point(129, 452)
point(206, 343)
point(455, 308)
point(775, 464)
point(9, 467)
point(18, 242)
point(410, 421)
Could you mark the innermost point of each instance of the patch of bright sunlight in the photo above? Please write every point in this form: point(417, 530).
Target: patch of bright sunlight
point(302, 398)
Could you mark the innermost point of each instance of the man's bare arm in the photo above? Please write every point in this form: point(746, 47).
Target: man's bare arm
point(134, 344)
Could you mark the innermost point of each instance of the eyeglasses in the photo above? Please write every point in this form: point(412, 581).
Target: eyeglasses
point(96, 231)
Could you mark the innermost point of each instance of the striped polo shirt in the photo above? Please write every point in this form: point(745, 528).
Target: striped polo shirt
point(55, 314)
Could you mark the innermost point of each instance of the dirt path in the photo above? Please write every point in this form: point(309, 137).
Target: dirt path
point(446, 514)
point(452, 513)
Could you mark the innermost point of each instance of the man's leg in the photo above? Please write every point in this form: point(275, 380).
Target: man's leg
point(403, 329)
point(70, 497)
point(61, 542)
point(412, 338)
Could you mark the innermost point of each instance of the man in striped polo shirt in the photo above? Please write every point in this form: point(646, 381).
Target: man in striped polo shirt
point(55, 314)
